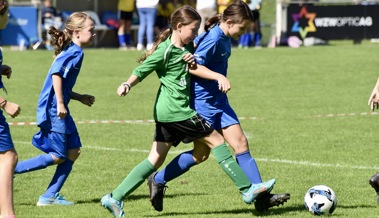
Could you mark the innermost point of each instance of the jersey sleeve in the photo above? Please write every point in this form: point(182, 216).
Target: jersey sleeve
point(205, 50)
point(63, 64)
point(152, 63)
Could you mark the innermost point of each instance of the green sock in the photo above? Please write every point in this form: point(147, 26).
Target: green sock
point(231, 168)
point(132, 181)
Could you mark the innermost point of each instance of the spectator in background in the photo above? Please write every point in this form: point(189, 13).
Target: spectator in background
point(50, 17)
point(125, 16)
point(253, 35)
point(165, 9)
point(206, 9)
point(222, 4)
point(147, 12)
point(255, 6)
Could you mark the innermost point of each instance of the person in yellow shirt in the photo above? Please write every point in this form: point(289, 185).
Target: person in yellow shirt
point(165, 9)
point(125, 16)
point(222, 4)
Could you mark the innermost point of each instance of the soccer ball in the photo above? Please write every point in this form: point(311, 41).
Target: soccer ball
point(320, 200)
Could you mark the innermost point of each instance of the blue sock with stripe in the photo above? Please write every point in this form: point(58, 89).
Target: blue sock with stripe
point(178, 166)
point(36, 163)
point(61, 173)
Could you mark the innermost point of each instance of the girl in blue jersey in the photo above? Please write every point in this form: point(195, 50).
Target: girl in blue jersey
point(213, 49)
point(8, 155)
point(58, 136)
point(175, 120)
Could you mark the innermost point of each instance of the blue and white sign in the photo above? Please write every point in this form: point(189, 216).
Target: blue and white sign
point(22, 26)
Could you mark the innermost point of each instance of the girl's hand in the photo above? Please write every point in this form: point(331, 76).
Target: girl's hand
point(88, 100)
point(123, 89)
point(189, 58)
point(373, 101)
point(12, 109)
point(6, 71)
point(223, 84)
point(61, 110)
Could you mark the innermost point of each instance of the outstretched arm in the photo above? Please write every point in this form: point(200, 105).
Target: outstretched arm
point(373, 101)
point(205, 73)
point(86, 99)
point(125, 87)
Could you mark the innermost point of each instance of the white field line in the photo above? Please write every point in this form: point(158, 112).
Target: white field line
point(26, 123)
point(283, 161)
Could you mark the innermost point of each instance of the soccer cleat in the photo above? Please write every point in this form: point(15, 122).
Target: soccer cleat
point(257, 190)
point(57, 199)
point(112, 205)
point(157, 192)
point(374, 182)
point(268, 200)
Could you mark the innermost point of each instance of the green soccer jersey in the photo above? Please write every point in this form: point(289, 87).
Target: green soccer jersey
point(173, 98)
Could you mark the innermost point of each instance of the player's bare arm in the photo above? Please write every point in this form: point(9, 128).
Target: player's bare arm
point(373, 101)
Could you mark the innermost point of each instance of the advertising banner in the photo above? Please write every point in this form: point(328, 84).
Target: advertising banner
point(21, 27)
point(333, 21)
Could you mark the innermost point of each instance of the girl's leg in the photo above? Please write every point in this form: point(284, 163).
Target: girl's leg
point(8, 161)
point(61, 173)
point(121, 33)
point(142, 27)
point(151, 15)
point(138, 175)
point(238, 141)
point(36, 163)
point(182, 163)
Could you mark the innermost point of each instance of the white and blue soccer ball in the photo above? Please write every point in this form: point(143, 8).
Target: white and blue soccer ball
point(320, 200)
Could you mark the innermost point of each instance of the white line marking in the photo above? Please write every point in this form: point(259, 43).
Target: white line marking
point(284, 161)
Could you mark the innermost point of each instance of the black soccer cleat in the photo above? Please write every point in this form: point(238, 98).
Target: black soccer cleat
point(374, 182)
point(156, 193)
point(268, 200)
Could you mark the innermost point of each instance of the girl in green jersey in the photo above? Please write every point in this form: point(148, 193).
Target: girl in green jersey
point(171, 57)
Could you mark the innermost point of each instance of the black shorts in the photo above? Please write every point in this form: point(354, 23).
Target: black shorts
point(125, 15)
point(183, 131)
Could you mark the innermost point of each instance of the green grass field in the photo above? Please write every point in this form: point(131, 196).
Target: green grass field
point(304, 111)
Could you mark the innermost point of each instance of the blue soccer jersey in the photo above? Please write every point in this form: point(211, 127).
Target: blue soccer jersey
point(5, 136)
point(67, 65)
point(213, 48)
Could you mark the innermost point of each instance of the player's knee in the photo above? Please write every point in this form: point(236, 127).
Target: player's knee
point(73, 154)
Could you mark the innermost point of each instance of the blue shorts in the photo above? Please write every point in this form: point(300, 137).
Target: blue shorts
point(55, 143)
point(219, 116)
point(6, 142)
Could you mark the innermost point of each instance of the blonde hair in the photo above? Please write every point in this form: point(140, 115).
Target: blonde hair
point(184, 15)
point(61, 38)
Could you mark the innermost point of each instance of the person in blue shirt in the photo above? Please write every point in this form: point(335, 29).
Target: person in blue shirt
point(58, 136)
point(8, 154)
point(213, 49)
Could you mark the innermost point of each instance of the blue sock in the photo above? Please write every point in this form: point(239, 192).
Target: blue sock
point(178, 166)
point(257, 39)
point(59, 178)
point(121, 40)
point(249, 167)
point(36, 163)
point(128, 39)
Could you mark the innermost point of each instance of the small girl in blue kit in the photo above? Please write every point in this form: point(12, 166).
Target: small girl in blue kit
point(58, 136)
point(8, 154)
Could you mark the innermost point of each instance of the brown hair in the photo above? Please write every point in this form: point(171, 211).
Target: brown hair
point(237, 12)
point(60, 39)
point(184, 15)
point(5, 8)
